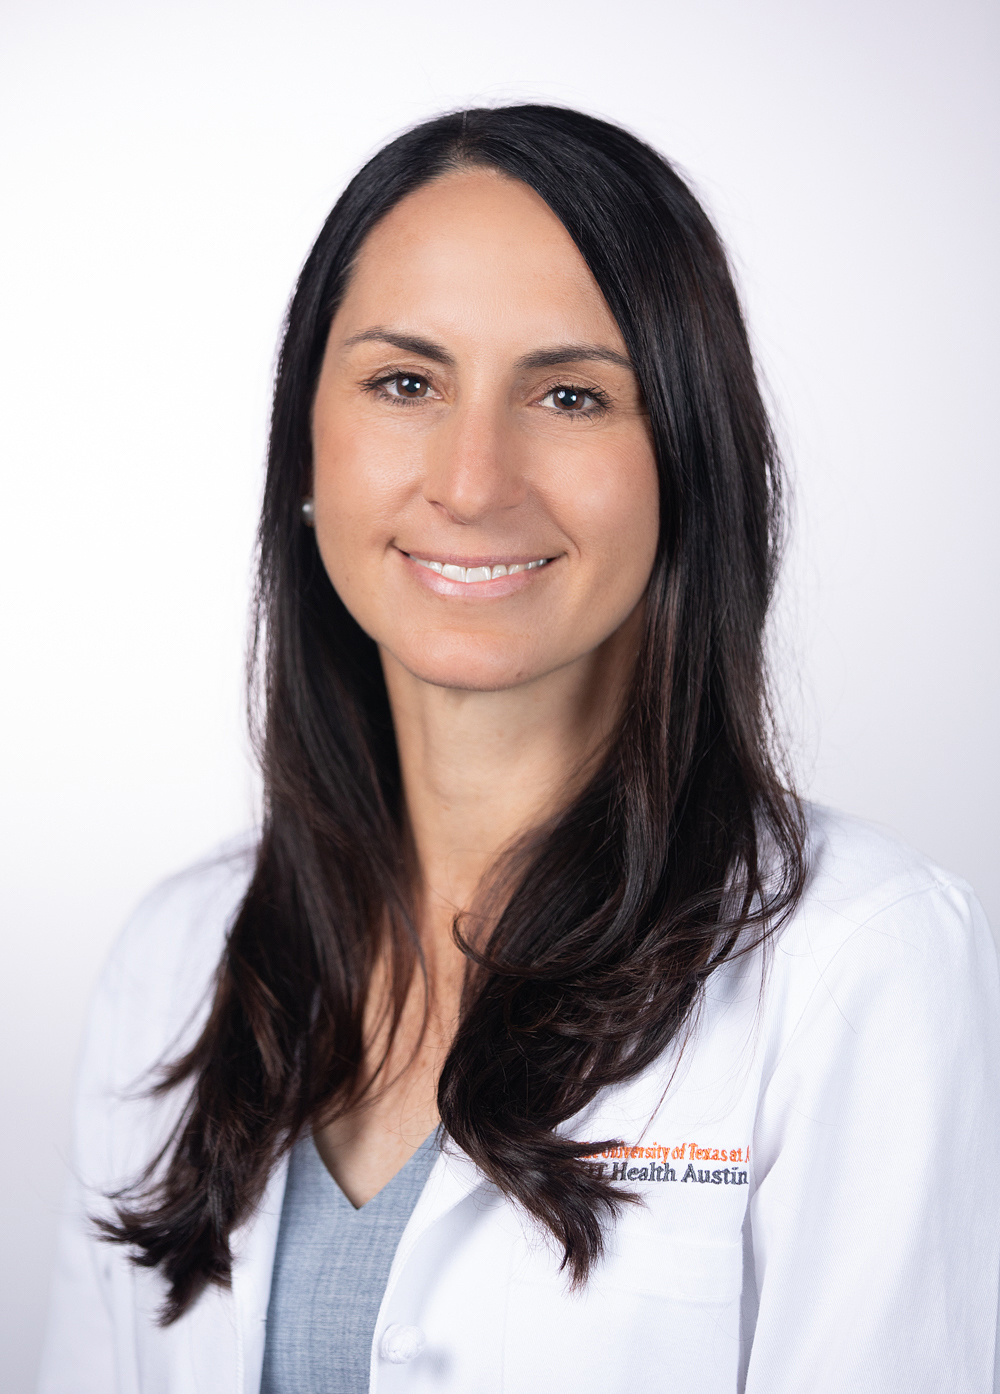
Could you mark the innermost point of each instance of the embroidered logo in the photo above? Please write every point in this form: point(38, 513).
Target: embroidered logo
point(654, 1163)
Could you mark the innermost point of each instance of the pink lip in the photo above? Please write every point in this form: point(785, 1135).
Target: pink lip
point(477, 590)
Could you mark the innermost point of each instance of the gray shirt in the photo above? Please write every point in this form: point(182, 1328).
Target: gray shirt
point(330, 1270)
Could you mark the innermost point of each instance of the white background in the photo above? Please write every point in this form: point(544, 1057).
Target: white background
point(164, 169)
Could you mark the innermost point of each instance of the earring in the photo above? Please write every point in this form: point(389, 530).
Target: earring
point(309, 513)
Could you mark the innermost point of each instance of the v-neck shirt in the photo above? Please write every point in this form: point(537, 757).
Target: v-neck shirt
point(331, 1267)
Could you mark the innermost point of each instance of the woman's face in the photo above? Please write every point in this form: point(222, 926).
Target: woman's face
point(485, 487)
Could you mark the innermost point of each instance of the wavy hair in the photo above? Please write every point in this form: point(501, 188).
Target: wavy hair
point(684, 847)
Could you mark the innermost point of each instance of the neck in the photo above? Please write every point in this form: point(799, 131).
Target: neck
point(481, 769)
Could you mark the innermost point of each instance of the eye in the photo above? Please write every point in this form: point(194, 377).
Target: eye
point(573, 401)
point(401, 386)
point(406, 385)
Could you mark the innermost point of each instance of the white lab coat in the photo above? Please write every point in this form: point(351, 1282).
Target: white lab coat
point(818, 1166)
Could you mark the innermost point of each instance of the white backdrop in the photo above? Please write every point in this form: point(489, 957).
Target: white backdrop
point(164, 168)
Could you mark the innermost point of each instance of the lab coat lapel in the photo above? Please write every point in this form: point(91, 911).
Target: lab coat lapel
point(454, 1176)
point(254, 1246)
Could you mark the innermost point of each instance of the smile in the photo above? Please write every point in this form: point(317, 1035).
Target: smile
point(471, 575)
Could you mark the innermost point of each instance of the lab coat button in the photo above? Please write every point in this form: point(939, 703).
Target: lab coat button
point(401, 1343)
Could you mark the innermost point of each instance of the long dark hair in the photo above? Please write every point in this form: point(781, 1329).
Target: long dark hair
point(684, 847)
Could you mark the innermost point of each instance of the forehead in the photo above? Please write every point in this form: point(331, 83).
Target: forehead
point(472, 253)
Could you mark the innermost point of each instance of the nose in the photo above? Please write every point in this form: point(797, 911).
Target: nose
point(473, 470)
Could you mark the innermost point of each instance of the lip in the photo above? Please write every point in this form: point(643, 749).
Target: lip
point(482, 559)
point(476, 590)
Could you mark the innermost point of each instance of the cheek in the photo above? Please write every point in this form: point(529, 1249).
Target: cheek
point(612, 510)
point(359, 486)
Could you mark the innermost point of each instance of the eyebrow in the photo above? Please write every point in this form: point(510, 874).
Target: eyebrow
point(573, 353)
point(541, 358)
point(409, 343)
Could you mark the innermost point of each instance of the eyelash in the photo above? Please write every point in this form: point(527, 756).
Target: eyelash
point(376, 387)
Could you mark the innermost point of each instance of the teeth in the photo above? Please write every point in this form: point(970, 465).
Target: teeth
point(471, 574)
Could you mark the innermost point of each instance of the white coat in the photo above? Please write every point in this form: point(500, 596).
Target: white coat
point(819, 1172)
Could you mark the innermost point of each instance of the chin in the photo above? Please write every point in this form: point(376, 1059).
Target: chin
point(445, 661)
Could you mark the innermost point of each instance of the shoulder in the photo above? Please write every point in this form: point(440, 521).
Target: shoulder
point(149, 1006)
point(853, 863)
point(880, 932)
point(860, 874)
point(158, 977)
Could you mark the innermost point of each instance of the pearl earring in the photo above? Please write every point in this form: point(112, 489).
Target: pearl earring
point(309, 513)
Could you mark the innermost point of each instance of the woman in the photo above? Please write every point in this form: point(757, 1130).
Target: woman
point(543, 1039)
